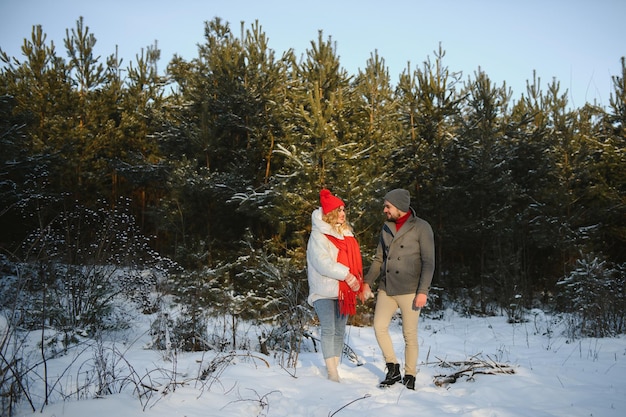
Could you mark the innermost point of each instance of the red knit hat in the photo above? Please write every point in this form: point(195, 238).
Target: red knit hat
point(329, 202)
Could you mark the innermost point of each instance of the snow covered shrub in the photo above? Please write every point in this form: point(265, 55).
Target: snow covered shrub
point(189, 333)
point(79, 263)
point(187, 330)
point(257, 286)
point(594, 294)
point(290, 325)
point(13, 371)
point(515, 310)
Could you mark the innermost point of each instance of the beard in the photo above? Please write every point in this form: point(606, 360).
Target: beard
point(392, 217)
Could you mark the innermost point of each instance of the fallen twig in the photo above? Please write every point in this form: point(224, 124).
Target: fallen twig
point(351, 402)
point(469, 368)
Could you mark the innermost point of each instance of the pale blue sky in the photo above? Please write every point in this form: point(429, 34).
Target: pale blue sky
point(579, 42)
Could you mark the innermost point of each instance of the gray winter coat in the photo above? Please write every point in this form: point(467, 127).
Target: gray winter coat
point(404, 260)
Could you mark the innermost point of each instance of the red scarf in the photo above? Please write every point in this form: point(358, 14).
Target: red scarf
point(402, 220)
point(350, 256)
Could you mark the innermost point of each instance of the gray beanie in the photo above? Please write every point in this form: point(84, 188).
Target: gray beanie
point(399, 198)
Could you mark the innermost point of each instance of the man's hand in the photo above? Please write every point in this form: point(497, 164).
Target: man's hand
point(420, 300)
point(366, 293)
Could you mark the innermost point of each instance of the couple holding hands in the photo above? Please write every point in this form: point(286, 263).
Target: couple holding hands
point(403, 267)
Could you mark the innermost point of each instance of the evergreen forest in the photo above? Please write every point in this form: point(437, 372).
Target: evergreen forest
point(196, 182)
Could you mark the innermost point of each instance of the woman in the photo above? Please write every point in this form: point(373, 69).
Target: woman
point(335, 274)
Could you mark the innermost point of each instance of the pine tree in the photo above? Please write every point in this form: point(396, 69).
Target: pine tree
point(610, 171)
point(429, 103)
point(136, 166)
point(478, 178)
point(41, 91)
point(377, 130)
point(230, 114)
point(320, 143)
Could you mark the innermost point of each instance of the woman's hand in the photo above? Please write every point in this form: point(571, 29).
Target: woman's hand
point(352, 282)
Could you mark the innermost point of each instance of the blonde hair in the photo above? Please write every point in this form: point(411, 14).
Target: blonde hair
point(331, 218)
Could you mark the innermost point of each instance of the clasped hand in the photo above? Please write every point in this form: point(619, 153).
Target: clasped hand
point(366, 294)
point(352, 282)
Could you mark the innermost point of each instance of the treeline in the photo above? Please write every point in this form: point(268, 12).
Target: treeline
point(220, 159)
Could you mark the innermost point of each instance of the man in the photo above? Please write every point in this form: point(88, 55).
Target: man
point(404, 262)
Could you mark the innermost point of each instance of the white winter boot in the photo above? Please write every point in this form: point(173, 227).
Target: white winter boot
point(331, 368)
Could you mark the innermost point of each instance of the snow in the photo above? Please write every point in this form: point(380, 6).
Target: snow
point(553, 376)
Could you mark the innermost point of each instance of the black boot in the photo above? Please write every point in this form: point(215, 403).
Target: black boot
point(393, 375)
point(409, 381)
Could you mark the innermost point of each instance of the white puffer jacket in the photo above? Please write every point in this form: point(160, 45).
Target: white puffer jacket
point(324, 271)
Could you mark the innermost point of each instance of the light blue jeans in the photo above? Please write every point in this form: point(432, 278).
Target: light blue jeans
point(332, 327)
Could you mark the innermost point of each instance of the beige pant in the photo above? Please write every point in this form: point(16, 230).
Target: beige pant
point(386, 306)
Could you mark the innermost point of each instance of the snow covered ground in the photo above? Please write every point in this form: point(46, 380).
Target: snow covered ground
point(552, 377)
